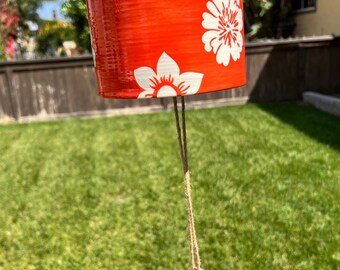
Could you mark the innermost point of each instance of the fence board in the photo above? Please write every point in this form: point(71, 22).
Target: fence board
point(276, 71)
point(6, 109)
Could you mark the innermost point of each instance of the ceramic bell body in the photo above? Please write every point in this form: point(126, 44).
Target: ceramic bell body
point(158, 48)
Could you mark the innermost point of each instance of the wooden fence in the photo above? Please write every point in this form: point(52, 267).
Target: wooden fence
point(276, 71)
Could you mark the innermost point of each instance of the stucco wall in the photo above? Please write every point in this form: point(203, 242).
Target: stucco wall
point(324, 21)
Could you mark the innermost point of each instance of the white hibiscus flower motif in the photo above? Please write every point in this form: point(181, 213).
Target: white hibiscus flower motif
point(224, 24)
point(168, 82)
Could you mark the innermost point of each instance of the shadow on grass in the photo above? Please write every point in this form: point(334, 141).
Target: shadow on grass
point(320, 126)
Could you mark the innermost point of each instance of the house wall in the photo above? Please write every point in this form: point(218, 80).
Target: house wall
point(324, 21)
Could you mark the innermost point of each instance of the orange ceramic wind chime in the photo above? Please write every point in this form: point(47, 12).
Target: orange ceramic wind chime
point(156, 48)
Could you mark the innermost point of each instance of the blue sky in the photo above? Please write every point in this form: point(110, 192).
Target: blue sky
point(46, 10)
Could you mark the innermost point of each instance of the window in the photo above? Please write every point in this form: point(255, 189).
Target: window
point(304, 5)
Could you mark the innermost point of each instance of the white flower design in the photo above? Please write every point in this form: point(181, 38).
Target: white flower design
point(224, 24)
point(168, 82)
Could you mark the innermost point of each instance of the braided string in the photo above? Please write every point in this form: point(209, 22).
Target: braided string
point(182, 141)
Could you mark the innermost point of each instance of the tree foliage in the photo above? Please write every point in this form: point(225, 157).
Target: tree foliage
point(51, 36)
point(76, 11)
point(265, 18)
point(28, 9)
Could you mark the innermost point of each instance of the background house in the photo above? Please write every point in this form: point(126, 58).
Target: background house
point(317, 17)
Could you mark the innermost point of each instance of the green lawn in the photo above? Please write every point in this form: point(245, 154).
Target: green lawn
point(108, 194)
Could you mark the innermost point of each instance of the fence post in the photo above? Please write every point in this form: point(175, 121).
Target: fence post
point(11, 94)
point(302, 69)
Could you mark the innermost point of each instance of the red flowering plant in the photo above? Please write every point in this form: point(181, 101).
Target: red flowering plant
point(8, 25)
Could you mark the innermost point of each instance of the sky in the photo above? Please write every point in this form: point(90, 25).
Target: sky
point(46, 10)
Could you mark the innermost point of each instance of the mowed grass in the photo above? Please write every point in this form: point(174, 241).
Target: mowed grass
point(108, 193)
